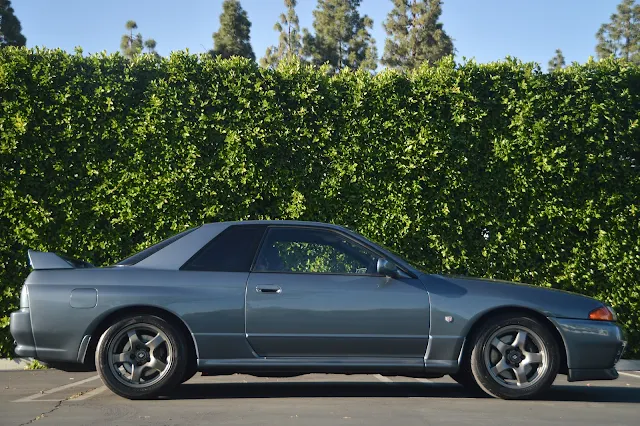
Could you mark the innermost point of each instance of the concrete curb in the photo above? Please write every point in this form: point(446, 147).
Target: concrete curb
point(7, 364)
point(628, 365)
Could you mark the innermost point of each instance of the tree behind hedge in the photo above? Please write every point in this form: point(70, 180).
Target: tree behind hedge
point(233, 37)
point(496, 170)
point(10, 28)
point(289, 40)
point(131, 45)
point(415, 35)
point(341, 36)
point(621, 36)
point(557, 62)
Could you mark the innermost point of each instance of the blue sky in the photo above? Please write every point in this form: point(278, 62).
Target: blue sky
point(486, 30)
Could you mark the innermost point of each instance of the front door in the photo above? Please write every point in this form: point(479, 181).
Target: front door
point(315, 292)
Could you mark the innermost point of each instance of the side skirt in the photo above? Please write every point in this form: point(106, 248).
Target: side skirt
point(286, 367)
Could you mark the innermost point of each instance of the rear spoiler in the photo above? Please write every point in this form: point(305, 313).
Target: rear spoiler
point(47, 260)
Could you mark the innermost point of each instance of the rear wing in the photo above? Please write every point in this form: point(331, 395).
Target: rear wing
point(47, 260)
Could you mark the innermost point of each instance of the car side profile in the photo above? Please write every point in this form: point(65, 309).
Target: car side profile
point(285, 298)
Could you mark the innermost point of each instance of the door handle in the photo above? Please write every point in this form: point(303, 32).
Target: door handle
point(269, 289)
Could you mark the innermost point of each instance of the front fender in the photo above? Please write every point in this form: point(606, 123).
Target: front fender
point(457, 304)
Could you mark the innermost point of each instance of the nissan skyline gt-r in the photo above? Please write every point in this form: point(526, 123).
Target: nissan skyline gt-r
point(285, 298)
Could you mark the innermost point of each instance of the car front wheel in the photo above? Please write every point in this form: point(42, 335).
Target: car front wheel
point(141, 357)
point(514, 357)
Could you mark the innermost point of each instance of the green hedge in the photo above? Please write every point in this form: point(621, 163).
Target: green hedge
point(496, 170)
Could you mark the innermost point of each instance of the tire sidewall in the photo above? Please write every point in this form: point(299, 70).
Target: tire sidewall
point(483, 376)
point(172, 377)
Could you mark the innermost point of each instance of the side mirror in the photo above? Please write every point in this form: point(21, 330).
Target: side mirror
point(387, 268)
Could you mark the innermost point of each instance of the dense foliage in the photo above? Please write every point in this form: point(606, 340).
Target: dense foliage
point(496, 170)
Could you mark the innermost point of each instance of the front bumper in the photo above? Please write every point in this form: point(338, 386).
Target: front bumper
point(20, 327)
point(578, 374)
point(593, 348)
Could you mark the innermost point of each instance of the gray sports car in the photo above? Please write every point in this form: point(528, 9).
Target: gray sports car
point(284, 298)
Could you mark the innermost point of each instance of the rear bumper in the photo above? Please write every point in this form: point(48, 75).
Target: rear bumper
point(593, 348)
point(20, 327)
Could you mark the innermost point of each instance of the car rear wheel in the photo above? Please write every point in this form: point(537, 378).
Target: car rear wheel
point(141, 357)
point(514, 357)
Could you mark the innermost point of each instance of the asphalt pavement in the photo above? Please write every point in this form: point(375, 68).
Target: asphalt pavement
point(51, 397)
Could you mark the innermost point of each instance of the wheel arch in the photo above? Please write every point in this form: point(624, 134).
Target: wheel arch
point(99, 326)
point(515, 310)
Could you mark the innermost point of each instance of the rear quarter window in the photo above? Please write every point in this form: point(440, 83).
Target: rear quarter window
point(232, 250)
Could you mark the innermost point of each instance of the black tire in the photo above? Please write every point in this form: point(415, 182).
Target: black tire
point(150, 379)
point(518, 369)
point(466, 380)
point(189, 372)
point(464, 376)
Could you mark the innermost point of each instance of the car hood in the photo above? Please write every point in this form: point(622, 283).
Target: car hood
point(510, 283)
point(497, 293)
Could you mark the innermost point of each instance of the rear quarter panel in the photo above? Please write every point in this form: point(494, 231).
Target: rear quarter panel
point(210, 304)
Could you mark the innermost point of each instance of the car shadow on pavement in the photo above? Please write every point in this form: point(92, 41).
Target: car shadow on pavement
point(388, 390)
point(592, 394)
point(318, 390)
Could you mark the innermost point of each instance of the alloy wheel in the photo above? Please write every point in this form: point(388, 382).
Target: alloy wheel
point(516, 357)
point(140, 355)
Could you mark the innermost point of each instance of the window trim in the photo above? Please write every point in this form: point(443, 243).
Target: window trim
point(355, 241)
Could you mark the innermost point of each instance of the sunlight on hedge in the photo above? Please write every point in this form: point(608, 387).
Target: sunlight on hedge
point(495, 170)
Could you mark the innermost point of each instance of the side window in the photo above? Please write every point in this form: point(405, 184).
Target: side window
point(313, 251)
point(230, 251)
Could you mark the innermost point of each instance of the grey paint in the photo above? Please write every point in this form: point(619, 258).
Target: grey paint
point(20, 328)
point(597, 339)
point(175, 255)
point(42, 260)
point(467, 300)
point(83, 298)
point(332, 323)
point(364, 365)
point(337, 315)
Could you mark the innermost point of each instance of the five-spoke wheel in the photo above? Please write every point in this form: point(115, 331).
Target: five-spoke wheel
point(141, 356)
point(515, 356)
point(512, 357)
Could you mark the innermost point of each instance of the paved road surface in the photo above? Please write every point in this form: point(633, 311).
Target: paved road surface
point(56, 398)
